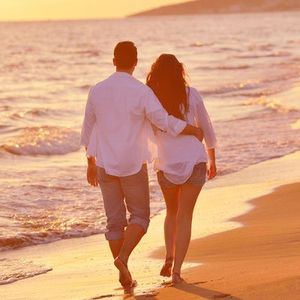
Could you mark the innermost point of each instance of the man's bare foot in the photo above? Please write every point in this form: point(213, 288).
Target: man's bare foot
point(125, 276)
point(167, 267)
point(133, 282)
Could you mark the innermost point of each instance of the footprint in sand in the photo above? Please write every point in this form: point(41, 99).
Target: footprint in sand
point(102, 297)
point(221, 296)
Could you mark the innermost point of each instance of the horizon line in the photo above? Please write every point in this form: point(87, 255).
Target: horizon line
point(137, 16)
point(61, 20)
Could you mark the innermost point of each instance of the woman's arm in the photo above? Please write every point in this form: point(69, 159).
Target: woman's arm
point(203, 121)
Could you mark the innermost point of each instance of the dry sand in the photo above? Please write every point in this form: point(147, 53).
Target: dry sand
point(258, 261)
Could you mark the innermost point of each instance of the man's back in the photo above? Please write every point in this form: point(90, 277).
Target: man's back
point(122, 130)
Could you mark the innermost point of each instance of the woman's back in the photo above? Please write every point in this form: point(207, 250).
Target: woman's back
point(177, 156)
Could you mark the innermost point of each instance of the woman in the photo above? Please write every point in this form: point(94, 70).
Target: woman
point(181, 161)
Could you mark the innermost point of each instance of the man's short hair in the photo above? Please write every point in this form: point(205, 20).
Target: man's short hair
point(125, 54)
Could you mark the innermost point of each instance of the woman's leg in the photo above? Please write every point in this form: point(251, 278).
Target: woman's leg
point(187, 200)
point(171, 196)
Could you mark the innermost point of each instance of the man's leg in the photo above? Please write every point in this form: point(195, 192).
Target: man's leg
point(115, 247)
point(115, 210)
point(136, 191)
point(133, 235)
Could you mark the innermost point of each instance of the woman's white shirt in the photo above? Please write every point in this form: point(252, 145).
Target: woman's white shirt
point(178, 155)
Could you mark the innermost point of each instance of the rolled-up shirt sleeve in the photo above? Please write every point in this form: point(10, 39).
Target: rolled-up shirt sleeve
point(88, 122)
point(204, 122)
point(158, 116)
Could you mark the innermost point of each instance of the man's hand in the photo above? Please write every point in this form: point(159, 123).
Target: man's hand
point(91, 173)
point(199, 134)
point(195, 131)
point(211, 170)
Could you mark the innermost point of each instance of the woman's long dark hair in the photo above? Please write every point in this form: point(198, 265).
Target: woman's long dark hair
point(167, 79)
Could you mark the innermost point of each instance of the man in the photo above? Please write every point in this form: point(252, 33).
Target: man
point(121, 109)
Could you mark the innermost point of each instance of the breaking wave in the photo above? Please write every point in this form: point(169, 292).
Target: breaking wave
point(43, 140)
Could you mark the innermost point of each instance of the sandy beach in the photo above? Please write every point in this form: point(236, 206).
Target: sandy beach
point(257, 261)
point(254, 255)
point(245, 237)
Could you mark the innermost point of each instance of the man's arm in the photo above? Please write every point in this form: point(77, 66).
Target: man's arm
point(88, 122)
point(158, 116)
point(192, 130)
point(87, 128)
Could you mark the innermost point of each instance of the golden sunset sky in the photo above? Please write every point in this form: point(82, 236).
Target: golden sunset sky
point(18, 10)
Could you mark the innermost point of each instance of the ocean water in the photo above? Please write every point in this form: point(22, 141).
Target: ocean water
point(247, 67)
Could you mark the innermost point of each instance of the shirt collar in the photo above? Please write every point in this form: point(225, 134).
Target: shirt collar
point(122, 74)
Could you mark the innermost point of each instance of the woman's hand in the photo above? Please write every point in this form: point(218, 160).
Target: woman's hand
point(211, 166)
point(211, 170)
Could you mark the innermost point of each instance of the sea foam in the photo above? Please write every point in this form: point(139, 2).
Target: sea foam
point(44, 140)
point(12, 270)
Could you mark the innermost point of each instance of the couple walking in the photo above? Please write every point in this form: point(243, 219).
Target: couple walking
point(122, 116)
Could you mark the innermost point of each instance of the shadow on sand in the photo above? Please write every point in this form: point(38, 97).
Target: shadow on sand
point(190, 288)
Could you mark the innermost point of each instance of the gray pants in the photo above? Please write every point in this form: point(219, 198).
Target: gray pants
point(121, 192)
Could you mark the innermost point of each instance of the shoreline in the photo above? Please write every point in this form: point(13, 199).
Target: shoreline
point(219, 181)
point(82, 267)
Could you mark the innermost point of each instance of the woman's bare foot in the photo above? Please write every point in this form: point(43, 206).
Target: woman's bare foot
point(176, 278)
point(125, 276)
point(167, 267)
